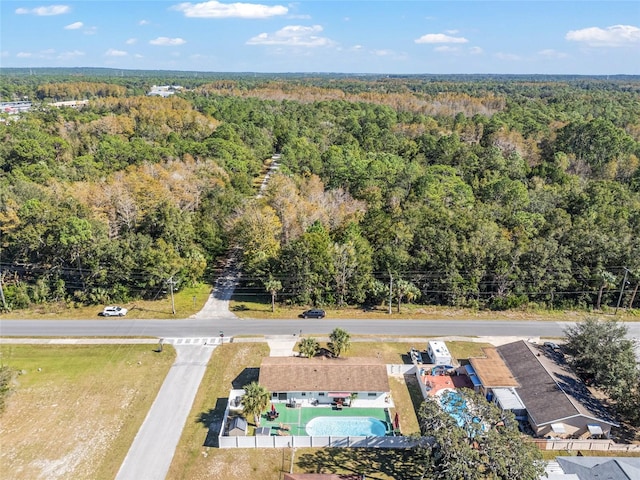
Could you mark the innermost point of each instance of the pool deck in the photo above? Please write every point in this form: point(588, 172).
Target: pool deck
point(293, 421)
point(441, 382)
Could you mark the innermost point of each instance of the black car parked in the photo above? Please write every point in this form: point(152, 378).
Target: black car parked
point(313, 313)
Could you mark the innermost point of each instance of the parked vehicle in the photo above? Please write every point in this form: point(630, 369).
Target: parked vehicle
point(114, 311)
point(313, 313)
point(416, 356)
point(552, 346)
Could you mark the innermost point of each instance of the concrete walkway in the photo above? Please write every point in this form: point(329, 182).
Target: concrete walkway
point(153, 448)
point(281, 345)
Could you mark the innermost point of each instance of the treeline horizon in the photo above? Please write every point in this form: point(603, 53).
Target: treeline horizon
point(482, 193)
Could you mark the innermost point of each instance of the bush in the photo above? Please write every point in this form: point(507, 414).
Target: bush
point(509, 302)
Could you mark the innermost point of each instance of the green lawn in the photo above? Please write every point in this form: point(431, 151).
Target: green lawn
point(187, 301)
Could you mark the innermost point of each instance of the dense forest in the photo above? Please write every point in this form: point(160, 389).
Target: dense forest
point(474, 191)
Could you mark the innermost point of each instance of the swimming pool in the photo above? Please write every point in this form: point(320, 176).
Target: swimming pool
point(456, 406)
point(346, 427)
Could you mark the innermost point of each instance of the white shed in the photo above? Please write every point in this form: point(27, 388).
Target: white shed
point(439, 353)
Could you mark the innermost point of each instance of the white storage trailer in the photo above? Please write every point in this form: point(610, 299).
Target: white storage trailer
point(439, 353)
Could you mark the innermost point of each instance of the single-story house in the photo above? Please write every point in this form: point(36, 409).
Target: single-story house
point(598, 468)
point(557, 403)
point(495, 381)
point(351, 381)
point(439, 353)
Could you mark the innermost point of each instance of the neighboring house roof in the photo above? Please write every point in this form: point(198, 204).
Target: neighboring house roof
point(297, 374)
point(599, 468)
point(492, 371)
point(321, 476)
point(548, 387)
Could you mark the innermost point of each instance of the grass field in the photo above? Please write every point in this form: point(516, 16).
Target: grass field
point(251, 307)
point(188, 301)
point(75, 410)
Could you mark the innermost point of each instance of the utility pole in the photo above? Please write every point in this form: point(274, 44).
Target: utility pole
point(390, 290)
point(171, 283)
point(624, 284)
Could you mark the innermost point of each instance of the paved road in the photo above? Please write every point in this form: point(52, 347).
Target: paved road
point(231, 326)
point(152, 450)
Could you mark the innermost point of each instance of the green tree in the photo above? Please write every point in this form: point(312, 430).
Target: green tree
point(255, 401)
point(273, 286)
point(308, 347)
point(345, 262)
point(607, 280)
point(406, 290)
point(257, 229)
point(491, 448)
point(600, 350)
point(339, 341)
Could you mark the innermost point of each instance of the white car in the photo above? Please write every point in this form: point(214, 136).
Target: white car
point(114, 311)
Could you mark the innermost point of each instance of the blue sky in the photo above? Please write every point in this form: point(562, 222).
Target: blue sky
point(394, 37)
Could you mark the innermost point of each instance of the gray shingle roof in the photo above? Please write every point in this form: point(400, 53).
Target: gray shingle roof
point(548, 388)
point(599, 468)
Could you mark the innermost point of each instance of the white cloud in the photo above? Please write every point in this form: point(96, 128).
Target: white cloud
point(112, 52)
point(440, 38)
point(131, 41)
point(137, 55)
point(90, 30)
point(167, 42)
point(24, 54)
point(551, 53)
point(44, 11)
point(476, 51)
point(214, 9)
point(4, 54)
point(294, 36)
point(507, 56)
point(71, 54)
point(144, 22)
point(446, 49)
point(74, 26)
point(384, 52)
point(451, 32)
point(614, 36)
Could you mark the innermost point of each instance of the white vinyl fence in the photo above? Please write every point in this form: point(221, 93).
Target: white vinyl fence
point(303, 441)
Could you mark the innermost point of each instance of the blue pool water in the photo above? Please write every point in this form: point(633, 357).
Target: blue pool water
point(453, 403)
point(346, 427)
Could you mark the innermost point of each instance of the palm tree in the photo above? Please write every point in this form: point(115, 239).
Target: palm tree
point(340, 341)
point(607, 281)
point(406, 290)
point(273, 287)
point(255, 401)
point(308, 347)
